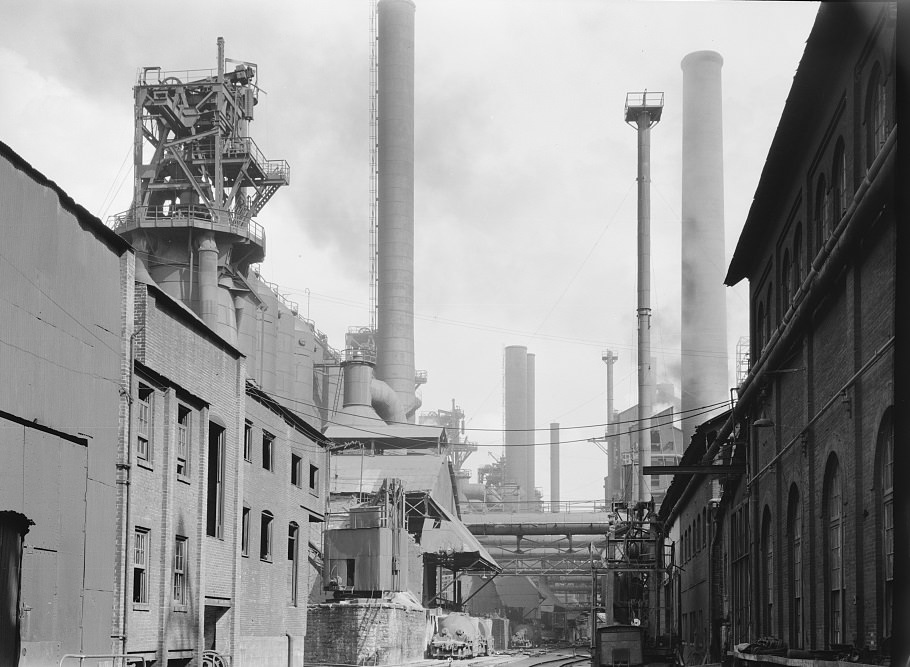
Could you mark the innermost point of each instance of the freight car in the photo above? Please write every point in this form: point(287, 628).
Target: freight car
point(462, 636)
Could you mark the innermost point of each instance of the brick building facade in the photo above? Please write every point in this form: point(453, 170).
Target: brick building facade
point(806, 535)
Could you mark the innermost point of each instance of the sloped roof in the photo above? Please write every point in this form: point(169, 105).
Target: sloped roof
point(453, 539)
point(387, 436)
point(518, 592)
point(427, 473)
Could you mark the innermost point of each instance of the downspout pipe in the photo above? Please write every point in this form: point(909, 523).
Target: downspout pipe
point(825, 268)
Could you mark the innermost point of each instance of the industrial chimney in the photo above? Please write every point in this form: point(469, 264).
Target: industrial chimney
point(518, 403)
point(395, 245)
point(704, 313)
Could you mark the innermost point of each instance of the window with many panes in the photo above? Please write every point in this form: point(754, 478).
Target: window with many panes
point(795, 527)
point(835, 546)
point(822, 227)
point(839, 183)
point(876, 115)
point(215, 498)
point(767, 538)
point(180, 562)
point(184, 436)
point(144, 403)
point(886, 484)
point(140, 565)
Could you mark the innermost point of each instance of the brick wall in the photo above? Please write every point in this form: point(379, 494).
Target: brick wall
point(188, 366)
point(365, 632)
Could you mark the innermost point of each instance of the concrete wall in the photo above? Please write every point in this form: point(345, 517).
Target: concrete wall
point(365, 632)
point(61, 317)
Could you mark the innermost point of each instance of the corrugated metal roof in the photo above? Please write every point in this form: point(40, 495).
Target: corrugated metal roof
point(468, 553)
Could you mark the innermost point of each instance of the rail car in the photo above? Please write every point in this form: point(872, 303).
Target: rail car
point(461, 636)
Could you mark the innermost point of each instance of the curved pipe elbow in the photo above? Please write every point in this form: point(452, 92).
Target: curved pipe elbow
point(386, 402)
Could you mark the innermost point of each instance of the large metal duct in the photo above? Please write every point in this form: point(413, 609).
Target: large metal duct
point(395, 240)
point(519, 455)
point(705, 378)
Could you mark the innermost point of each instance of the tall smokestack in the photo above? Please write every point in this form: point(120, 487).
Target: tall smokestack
point(395, 293)
point(518, 405)
point(704, 312)
point(554, 466)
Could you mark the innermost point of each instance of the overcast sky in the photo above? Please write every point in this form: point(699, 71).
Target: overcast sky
point(525, 198)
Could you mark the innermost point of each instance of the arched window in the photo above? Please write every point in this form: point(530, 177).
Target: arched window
point(785, 282)
point(795, 531)
point(704, 531)
point(876, 116)
point(797, 270)
point(822, 225)
point(767, 545)
point(759, 331)
point(886, 500)
point(766, 335)
point(834, 545)
point(698, 533)
point(839, 182)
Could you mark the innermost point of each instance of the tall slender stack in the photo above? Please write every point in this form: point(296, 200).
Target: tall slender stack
point(395, 298)
point(704, 313)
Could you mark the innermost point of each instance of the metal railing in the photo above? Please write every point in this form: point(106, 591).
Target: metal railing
point(189, 215)
point(123, 658)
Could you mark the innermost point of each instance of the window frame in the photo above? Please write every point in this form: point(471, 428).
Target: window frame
point(248, 441)
point(181, 556)
point(141, 540)
point(145, 413)
point(314, 478)
point(293, 561)
point(296, 470)
point(266, 522)
point(184, 440)
point(268, 451)
point(245, 531)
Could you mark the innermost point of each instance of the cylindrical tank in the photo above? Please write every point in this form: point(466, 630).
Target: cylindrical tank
point(704, 314)
point(395, 294)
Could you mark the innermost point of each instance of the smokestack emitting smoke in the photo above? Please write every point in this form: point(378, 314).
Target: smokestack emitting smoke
point(704, 311)
point(395, 298)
